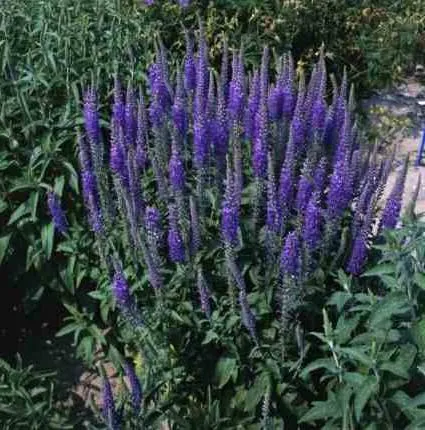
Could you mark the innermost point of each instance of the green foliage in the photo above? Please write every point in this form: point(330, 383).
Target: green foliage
point(28, 400)
point(372, 343)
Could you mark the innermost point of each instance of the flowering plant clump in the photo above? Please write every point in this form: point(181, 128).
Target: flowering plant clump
point(221, 202)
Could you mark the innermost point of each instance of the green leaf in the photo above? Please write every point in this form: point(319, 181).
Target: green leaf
point(47, 236)
point(4, 244)
point(321, 411)
point(363, 395)
point(18, 213)
point(321, 363)
point(345, 328)
point(224, 370)
point(69, 329)
point(339, 299)
point(381, 269)
point(357, 354)
point(211, 335)
point(385, 309)
point(256, 392)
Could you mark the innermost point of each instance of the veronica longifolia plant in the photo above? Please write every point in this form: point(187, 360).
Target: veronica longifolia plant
point(263, 227)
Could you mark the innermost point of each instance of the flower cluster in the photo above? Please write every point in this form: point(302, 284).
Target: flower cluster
point(296, 174)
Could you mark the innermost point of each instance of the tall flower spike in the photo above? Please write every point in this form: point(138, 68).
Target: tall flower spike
point(320, 175)
point(222, 131)
point(56, 212)
point(341, 104)
point(297, 130)
point(176, 169)
point(123, 298)
point(108, 406)
point(175, 241)
point(118, 157)
point(136, 387)
point(391, 212)
point(202, 73)
point(305, 190)
point(204, 294)
point(160, 96)
point(179, 107)
point(230, 212)
point(224, 71)
point(89, 187)
point(141, 135)
point(91, 118)
point(311, 232)
point(273, 219)
point(252, 106)
point(259, 152)
point(189, 66)
point(319, 104)
point(236, 91)
point(130, 126)
point(359, 251)
point(288, 103)
point(153, 226)
point(290, 259)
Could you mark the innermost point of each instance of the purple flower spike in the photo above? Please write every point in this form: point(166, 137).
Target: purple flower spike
point(259, 154)
point(141, 135)
point(236, 90)
point(118, 161)
point(175, 240)
point(273, 219)
point(189, 66)
point(290, 259)
point(252, 106)
point(305, 190)
point(391, 212)
point(160, 96)
point(297, 129)
point(179, 107)
point(130, 121)
point(288, 95)
point(337, 198)
point(91, 118)
point(136, 387)
point(121, 291)
point(108, 406)
point(184, 3)
point(274, 103)
point(153, 226)
point(358, 256)
point(312, 224)
point(176, 169)
point(320, 176)
point(56, 212)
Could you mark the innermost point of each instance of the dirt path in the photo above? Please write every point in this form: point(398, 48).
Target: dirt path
point(402, 103)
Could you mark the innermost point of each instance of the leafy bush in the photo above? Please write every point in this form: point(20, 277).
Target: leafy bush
point(28, 400)
point(41, 84)
point(230, 268)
